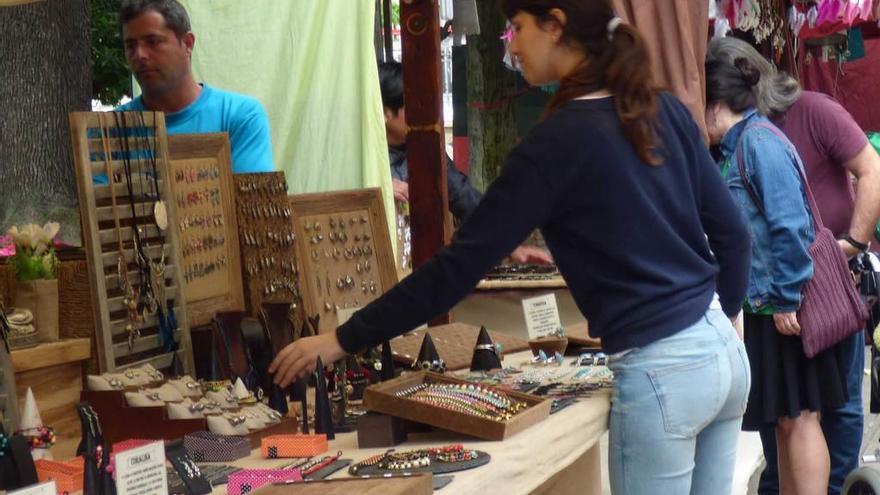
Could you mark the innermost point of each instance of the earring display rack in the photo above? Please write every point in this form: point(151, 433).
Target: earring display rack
point(267, 240)
point(204, 193)
point(345, 251)
point(127, 206)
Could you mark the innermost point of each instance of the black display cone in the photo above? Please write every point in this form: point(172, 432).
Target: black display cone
point(311, 329)
point(486, 354)
point(387, 371)
point(429, 358)
point(323, 416)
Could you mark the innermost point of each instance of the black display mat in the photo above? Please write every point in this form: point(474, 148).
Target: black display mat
point(328, 470)
point(438, 482)
point(438, 468)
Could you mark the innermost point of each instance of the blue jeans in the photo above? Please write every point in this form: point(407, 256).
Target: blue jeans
point(676, 411)
point(842, 427)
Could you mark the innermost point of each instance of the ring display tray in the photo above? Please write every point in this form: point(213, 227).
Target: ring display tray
point(381, 398)
point(204, 193)
point(122, 171)
point(515, 277)
point(344, 248)
point(454, 342)
point(119, 421)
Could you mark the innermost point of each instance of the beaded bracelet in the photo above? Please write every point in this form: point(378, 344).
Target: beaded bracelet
point(40, 437)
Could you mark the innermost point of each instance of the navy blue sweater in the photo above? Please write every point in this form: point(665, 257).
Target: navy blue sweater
point(630, 239)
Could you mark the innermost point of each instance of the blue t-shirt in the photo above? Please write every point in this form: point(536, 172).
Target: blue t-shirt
point(215, 110)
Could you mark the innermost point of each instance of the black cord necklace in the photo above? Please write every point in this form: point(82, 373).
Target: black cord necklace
point(167, 319)
point(146, 302)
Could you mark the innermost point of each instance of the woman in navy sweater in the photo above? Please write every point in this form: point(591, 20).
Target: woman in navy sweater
point(642, 227)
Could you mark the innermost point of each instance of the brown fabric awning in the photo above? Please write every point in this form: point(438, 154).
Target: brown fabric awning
point(677, 35)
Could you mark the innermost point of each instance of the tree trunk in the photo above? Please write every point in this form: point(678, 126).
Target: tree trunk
point(491, 115)
point(44, 75)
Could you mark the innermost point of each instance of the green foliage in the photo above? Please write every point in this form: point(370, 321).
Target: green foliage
point(395, 14)
point(34, 267)
point(110, 75)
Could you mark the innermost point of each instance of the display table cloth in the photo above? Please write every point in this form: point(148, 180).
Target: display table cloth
point(560, 455)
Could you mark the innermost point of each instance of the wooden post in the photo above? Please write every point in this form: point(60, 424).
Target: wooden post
point(425, 146)
point(387, 26)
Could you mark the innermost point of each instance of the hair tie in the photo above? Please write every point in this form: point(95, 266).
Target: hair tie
point(612, 26)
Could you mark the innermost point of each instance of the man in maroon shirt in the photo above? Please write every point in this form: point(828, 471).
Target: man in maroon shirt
point(833, 148)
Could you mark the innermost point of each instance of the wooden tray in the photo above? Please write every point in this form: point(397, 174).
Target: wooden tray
point(455, 343)
point(100, 234)
point(326, 260)
point(578, 335)
point(380, 397)
point(209, 154)
point(396, 485)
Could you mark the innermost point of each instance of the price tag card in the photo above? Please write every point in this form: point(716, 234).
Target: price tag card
point(542, 315)
point(141, 471)
point(47, 488)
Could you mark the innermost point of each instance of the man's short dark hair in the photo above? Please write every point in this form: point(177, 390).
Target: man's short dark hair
point(391, 84)
point(172, 11)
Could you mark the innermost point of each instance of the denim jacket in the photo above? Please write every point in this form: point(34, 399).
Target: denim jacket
point(781, 237)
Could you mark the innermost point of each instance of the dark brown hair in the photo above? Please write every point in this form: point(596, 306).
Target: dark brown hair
point(176, 18)
point(734, 84)
point(618, 62)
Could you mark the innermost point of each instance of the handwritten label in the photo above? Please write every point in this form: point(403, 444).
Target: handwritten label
point(141, 471)
point(47, 488)
point(542, 315)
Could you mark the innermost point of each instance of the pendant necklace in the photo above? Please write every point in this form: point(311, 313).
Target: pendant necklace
point(157, 269)
point(130, 294)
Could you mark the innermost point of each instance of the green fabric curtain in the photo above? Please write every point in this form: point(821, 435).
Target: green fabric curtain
point(312, 64)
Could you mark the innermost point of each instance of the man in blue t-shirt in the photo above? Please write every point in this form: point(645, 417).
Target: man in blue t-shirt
point(158, 46)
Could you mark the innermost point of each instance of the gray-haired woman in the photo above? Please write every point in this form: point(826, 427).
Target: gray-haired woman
point(833, 148)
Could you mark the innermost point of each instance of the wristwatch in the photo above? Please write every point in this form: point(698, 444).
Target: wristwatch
point(861, 246)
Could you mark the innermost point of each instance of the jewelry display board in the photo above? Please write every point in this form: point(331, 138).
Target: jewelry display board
point(393, 398)
point(207, 224)
point(345, 251)
point(266, 236)
point(454, 342)
point(134, 258)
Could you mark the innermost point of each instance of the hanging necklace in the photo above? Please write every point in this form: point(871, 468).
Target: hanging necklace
point(167, 319)
point(130, 294)
point(146, 302)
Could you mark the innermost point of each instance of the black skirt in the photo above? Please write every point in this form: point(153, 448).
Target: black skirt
point(784, 381)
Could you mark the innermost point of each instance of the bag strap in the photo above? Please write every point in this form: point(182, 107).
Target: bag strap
point(811, 201)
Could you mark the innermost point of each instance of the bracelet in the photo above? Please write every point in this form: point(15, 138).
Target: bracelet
point(861, 246)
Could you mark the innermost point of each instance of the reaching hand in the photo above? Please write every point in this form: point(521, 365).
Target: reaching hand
point(786, 323)
point(531, 255)
point(401, 190)
point(299, 358)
